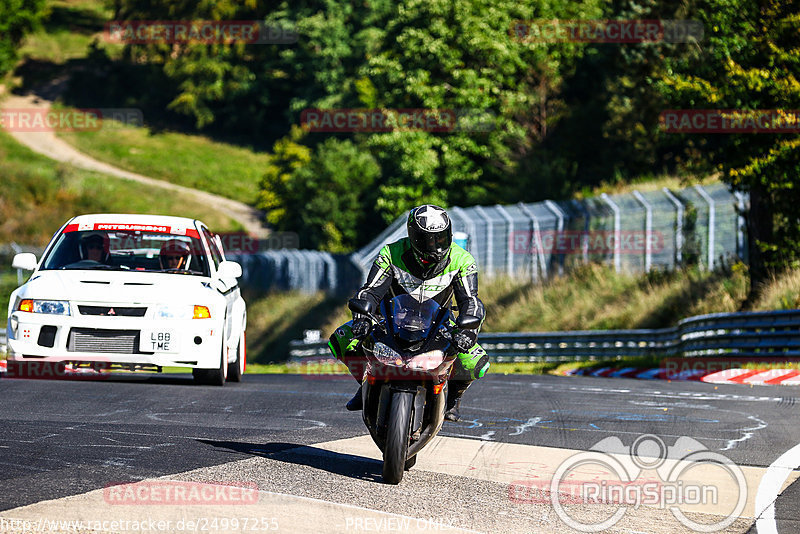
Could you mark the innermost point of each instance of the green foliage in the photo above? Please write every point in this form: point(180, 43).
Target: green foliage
point(17, 17)
point(567, 117)
point(320, 194)
point(749, 63)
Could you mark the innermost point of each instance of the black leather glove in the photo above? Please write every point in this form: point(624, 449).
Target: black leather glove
point(360, 327)
point(465, 339)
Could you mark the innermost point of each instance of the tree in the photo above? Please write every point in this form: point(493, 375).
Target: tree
point(17, 17)
point(321, 194)
point(750, 62)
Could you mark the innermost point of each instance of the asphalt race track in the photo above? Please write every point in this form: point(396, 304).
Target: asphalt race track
point(306, 464)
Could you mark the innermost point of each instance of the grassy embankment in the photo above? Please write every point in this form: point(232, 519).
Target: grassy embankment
point(39, 195)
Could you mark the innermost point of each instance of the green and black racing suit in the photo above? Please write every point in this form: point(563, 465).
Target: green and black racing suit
point(396, 272)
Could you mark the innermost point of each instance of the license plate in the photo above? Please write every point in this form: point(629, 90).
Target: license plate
point(158, 341)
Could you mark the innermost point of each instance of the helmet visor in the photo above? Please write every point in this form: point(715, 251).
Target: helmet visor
point(432, 246)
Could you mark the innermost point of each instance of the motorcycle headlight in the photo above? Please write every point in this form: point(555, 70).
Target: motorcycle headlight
point(52, 307)
point(427, 360)
point(385, 353)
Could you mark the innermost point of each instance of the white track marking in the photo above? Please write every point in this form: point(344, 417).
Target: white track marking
point(530, 423)
point(748, 432)
point(772, 483)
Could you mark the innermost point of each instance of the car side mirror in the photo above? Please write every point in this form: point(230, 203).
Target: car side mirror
point(25, 261)
point(468, 322)
point(362, 306)
point(229, 269)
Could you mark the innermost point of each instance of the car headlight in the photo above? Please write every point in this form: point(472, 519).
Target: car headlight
point(53, 307)
point(185, 311)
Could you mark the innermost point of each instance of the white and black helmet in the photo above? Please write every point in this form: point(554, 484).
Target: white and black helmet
point(430, 233)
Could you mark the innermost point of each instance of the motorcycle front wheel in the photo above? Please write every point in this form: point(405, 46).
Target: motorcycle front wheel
point(394, 454)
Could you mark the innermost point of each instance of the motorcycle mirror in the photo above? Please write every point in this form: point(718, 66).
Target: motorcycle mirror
point(468, 322)
point(362, 306)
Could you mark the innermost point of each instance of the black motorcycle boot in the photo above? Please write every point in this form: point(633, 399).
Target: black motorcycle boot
point(356, 403)
point(455, 389)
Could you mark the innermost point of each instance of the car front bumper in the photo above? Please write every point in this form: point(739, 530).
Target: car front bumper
point(115, 340)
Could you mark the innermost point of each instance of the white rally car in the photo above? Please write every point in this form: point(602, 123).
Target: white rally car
point(136, 292)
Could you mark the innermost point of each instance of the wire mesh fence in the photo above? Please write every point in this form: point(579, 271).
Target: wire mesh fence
point(633, 232)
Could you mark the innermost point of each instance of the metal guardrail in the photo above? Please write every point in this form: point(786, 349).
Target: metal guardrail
point(774, 334)
point(2, 342)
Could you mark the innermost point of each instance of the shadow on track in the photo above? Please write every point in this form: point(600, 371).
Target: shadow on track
point(333, 462)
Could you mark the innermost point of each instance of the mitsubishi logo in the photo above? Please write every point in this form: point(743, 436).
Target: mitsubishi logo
point(111, 311)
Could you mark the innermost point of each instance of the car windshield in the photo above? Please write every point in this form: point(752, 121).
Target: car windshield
point(411, 319)
point(128, 250)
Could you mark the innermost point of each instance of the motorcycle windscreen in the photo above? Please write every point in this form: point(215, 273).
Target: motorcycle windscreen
point(412, 320)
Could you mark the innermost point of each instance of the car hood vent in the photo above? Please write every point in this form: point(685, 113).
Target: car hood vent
point(95, 282)
point(137, 284)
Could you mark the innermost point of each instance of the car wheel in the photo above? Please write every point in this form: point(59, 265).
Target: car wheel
point(213, 377)
point(236, 368)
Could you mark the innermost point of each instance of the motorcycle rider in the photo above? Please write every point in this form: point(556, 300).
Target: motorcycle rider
point(427, 265)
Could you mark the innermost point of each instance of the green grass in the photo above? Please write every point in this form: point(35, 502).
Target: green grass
point(189, 160)
point(38, 195)
point(278, 318)
point(645, 184)
point(67, 30)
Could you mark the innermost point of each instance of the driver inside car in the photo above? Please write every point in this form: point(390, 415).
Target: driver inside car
point(427, 265)
point(94, 247)
point(174, 254)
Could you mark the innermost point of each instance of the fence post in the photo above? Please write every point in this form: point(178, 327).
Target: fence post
point(648, 230)
point(509, 247)
point(741, 226)
point(489, 239)
point(678, 225)
point(537, 239)
point(617, 224)
point(711, 223)
point(560, 215)
point(585, 237)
